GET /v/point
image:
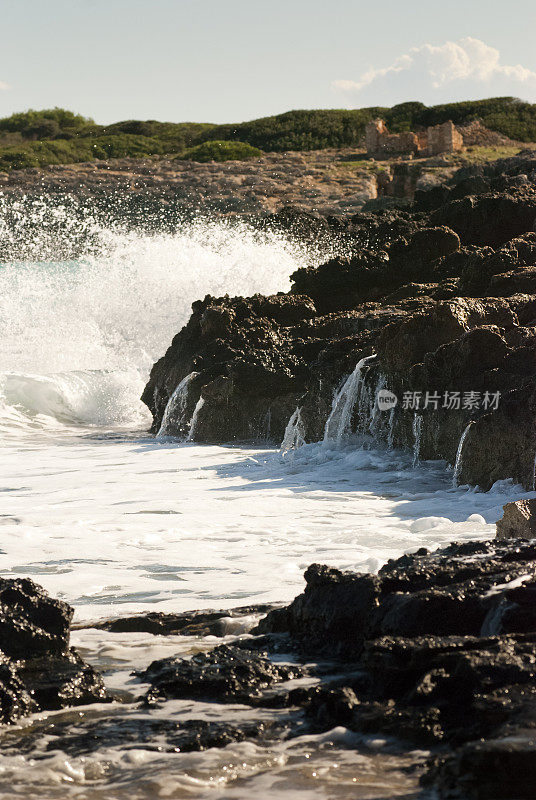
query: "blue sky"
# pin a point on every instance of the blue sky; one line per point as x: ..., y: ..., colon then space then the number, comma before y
x: 230, y: 60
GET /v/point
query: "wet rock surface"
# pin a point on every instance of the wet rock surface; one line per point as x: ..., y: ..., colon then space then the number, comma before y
x: 38, y: 670
x: 188, y: 623
x: 518, y: 521
x: 443, y: 654
x: 90, y: 733
x: 226, y: 674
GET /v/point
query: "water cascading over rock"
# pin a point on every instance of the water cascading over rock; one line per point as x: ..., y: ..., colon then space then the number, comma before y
x: 338, y: 424
x: 173, y: 420
x: 294, y: 433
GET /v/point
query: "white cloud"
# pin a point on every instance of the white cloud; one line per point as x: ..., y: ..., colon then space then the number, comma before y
x: 454, y: 70
x: 4, y: 86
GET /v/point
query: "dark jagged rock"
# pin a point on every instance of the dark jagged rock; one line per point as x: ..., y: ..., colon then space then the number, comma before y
x: 15, y: 700
x: 502, y: 443
x: 490, y: 219
x: 225, y: 674
x: 442, y: 652
x: 31, y: 622
x: 188, y: 623
x: 491, y: 770
x: 462, y: 590
x: 247, y: 360
x: 38, y: 671
x: 518, y: 520
x: 445, y: 299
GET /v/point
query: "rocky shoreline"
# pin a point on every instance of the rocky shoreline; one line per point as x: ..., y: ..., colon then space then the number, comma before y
x: 434, y: 301
x: 442, y: 294
x: 436, y: 652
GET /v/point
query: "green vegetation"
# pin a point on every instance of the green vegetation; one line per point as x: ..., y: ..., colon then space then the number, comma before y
x: 316, y: 130
x: 58, y: 151
x: 50, y: 123
x: 56, y: 136
x: 221, y: 151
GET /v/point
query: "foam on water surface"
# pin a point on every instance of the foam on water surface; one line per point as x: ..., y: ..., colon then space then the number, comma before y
x: 121, y: 525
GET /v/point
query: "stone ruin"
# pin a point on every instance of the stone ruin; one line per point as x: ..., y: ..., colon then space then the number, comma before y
x: 444, y: 138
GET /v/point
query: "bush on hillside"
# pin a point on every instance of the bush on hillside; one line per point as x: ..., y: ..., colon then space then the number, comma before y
x: 27, y: 122
x: 59, y: 151
x: 221, y: 151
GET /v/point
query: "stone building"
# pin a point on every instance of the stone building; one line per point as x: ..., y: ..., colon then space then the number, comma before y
x: 444, y: 138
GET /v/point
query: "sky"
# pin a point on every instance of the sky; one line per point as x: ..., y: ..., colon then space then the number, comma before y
x: 233, y: 60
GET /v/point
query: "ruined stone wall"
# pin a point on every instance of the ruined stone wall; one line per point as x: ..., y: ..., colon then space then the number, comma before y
x: 445, y: 138
x: 375, y: 132
x: 379, y: 141
x: 399, y: 143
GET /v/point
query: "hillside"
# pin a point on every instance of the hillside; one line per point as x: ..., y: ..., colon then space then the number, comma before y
x: 56, y: 136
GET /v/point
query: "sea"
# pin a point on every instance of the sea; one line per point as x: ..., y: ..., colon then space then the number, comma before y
x: 115, y: 521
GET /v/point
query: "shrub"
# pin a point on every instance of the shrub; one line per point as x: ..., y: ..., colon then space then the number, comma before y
x: 221, y: 151
x: 17, y: 158
x: 60, y: 151
x: 26, y: 121
x: 43, y: 128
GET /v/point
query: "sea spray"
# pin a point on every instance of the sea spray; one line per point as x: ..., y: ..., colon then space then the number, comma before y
x: 337, y: 426
x: 175, y: 409
x: 459, y: 455
x: 116, y: 308
x: 417, y: 436
x: 294, y: 435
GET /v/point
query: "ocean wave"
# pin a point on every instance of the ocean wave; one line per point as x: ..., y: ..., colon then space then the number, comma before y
x: 81, y: 398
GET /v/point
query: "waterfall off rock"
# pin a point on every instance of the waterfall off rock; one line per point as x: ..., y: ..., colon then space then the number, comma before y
x: 391, y: 430
x: 338, y: 424
x: 294, y: 436
x: 176, y: 407
x: 417, y: 435
x: 459, y: 453
x: 193, y: 422
x: 373, y: 422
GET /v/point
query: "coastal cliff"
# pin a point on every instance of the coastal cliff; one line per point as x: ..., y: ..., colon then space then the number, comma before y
x: 441, y: 293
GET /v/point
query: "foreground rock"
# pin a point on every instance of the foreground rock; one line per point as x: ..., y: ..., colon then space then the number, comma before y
x: 225, y: 674
x: 519, y: 520
x: 443, y: 648
x: 38, y: 670
x: 437, y: 650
